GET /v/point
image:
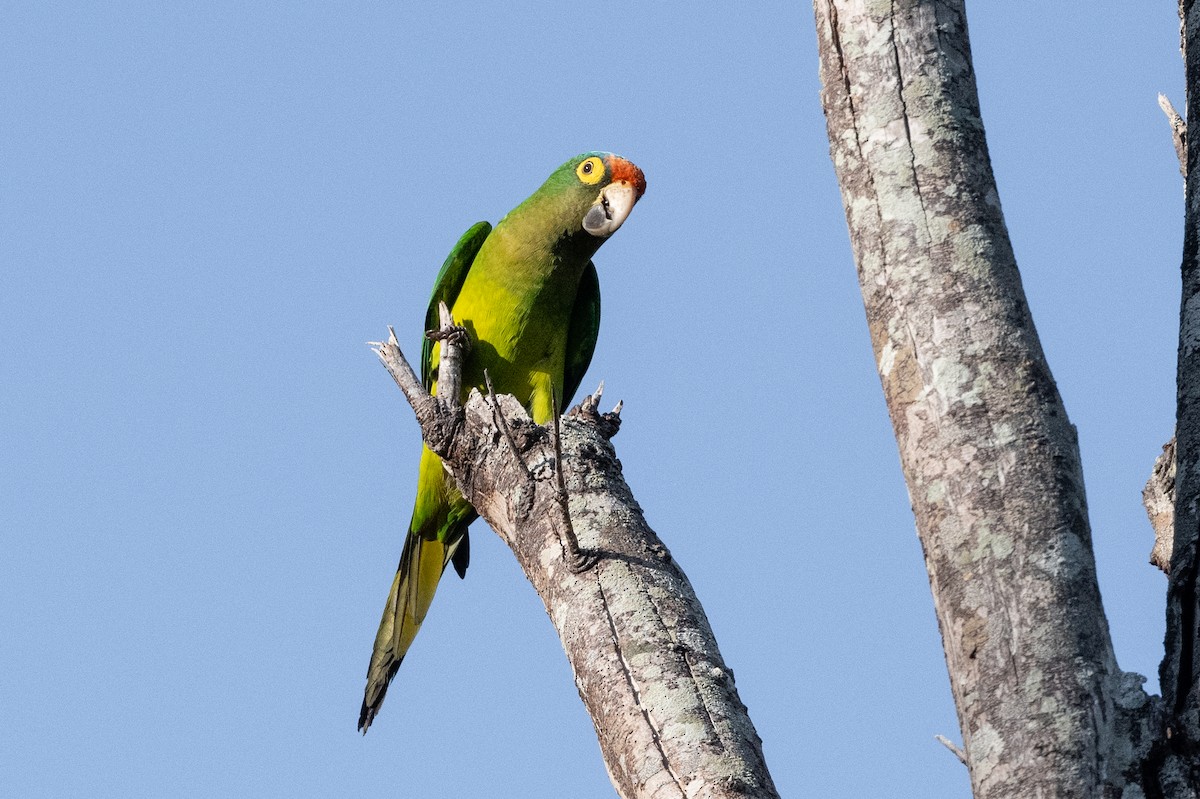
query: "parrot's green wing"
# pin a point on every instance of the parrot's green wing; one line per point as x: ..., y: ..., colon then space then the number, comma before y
x: 446, y: 288
x: 581, y: 337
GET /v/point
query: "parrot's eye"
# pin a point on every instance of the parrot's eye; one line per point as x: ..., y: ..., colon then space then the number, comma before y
x: 591, y: 171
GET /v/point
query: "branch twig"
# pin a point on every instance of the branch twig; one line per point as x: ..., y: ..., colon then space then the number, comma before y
x: 577, y: 560
x: 960, y: 754
x: 502, y: 423
x: 1178, y: 132
x: 393, y: 359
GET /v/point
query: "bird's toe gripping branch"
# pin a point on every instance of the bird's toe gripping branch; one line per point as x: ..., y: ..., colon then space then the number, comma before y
x: 452, y: 334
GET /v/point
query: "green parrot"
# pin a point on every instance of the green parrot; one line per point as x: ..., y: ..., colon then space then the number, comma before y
x: 528, y: 295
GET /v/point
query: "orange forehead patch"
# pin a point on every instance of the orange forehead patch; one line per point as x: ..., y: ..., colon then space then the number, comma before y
x: 628, y: 171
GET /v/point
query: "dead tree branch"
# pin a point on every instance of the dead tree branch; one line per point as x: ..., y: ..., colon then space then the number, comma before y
x: 1179, y: 673
x: 646, y: 664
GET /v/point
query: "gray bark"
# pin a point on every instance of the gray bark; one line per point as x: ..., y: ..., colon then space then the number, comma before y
x: 989, y: 456
x: 664, y: 704
x: 1179, y: 673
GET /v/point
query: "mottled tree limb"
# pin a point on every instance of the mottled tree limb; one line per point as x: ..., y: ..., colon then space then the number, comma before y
x: 990, y: 458
x: 1158, y: 496
x: 1179, y: 673
x: 646, y: 664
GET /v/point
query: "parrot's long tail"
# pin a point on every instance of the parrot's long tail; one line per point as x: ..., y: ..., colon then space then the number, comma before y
x: 421, y: 565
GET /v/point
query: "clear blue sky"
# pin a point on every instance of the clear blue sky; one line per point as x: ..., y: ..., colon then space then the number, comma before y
x: 204, y: 473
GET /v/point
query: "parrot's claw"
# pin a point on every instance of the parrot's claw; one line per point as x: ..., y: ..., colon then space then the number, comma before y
x: 454, y: 335
x: 580, y: 561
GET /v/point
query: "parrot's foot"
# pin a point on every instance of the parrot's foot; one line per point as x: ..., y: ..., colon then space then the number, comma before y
x: 579, y: 561
x: 453, y: 334
x: 588, y: 409
x: 577, y: 558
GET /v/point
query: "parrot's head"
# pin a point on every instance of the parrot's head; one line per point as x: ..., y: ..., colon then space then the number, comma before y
x: 601, y: 189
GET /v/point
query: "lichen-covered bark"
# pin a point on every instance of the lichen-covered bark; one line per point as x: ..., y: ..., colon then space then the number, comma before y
x: 1180, y: 670
x: 989, y: 455
x: 646, y: 664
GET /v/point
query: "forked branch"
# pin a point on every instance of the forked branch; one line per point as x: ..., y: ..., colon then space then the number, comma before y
x: 646, y: 664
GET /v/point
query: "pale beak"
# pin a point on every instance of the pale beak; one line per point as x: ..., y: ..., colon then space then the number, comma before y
x: 611, y: 208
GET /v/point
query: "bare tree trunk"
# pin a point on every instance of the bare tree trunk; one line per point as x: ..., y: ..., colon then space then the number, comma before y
x: 646, y: 664
x: 1180, y: 669
x: 990, y: 458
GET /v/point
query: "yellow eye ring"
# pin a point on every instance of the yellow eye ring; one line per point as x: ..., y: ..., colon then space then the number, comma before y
x: 590, y: 171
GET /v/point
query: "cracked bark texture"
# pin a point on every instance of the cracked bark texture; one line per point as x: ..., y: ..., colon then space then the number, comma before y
x: 1180, y: 669
x: 990, y: 458
x: 646, y: 664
